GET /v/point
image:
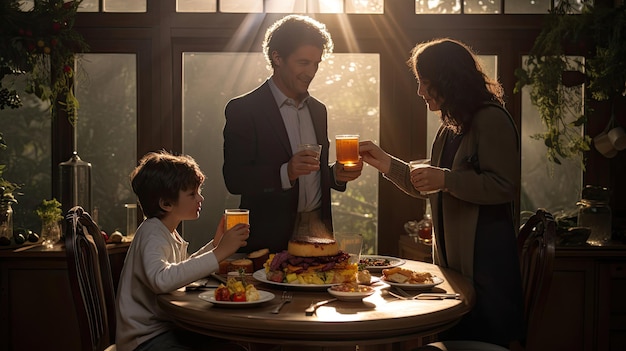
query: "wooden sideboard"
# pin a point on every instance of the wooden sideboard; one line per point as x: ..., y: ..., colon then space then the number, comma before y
x: 586, y: 308
x: 36, y: 300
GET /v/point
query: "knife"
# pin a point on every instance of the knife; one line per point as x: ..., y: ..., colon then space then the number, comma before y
x: 436, y: 296
x: 311, y: 309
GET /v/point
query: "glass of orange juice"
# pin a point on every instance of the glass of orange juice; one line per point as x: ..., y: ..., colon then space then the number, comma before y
x: 235, y: 216
x: 347, y: 147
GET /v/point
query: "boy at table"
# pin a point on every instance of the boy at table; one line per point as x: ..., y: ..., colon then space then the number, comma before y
x: 168, y: 187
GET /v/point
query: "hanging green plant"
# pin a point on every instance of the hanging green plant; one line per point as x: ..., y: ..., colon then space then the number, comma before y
x: 41, y: 43
x: 598, y: 35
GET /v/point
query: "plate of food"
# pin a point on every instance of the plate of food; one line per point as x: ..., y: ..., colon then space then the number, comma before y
x: 410, y: 280
x: 209, y: 296
x: 415, y: 286
x: 375, y: 262
x: 261, y: 276
x: 351, y: 291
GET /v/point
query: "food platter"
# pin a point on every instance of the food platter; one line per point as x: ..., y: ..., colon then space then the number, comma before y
x: 436, y: 281
x: 209, y: 296
x: 260, y: 276
x: 352, y: 295
x: 378, y: 263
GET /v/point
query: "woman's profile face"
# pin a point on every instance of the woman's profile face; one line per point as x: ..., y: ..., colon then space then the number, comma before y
x: 433, y: 102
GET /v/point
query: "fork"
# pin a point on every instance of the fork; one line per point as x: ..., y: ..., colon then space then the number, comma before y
x: 286, y: 298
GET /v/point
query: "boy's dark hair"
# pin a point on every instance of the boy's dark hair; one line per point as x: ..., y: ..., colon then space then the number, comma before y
x: 293, y: 31
x: 162, y: 175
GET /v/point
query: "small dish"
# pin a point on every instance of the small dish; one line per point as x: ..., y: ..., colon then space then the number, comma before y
x: 209, y: 296
x: 362, y: 292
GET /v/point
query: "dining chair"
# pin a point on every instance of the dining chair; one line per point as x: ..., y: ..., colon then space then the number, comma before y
x: 535, y: 246
x: 90, y: 280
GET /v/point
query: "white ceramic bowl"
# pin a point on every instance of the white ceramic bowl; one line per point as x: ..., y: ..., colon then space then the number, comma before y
x: 364, y: 291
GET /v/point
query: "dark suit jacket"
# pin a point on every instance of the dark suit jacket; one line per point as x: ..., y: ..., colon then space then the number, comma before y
x: 256, y: 144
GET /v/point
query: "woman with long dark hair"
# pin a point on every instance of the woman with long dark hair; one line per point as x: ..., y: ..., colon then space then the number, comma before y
x: 472, y: 181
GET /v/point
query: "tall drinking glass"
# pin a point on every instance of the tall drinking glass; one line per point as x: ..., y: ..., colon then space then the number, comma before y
x: 347, y: 147
x: 235, y: 216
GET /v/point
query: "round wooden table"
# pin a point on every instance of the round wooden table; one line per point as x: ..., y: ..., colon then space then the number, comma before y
x: 378, y: 319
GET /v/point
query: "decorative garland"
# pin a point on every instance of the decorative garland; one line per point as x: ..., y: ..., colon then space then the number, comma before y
x: 41, y: 43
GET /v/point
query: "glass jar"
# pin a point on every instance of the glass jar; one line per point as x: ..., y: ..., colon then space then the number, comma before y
x: 6, y: 223
x: 425, y: 229
x: 425, y: 226
x: 50, y: 233
x: 594, y: 213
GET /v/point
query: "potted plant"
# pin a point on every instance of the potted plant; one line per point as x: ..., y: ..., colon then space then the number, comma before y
x: 572, y: 49
x: 50, y: 213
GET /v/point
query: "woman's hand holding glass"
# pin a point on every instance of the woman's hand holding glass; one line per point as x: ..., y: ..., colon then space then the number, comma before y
x: 427, y: 179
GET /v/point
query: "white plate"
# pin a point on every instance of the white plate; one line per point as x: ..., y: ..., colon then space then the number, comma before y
x: 393, y: 262
x: 260, y: 276
x: 209, y: 296
x: 436, y: 281
x: 351, y: 296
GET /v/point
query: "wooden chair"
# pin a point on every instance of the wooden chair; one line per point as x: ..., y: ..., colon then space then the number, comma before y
x: 90, y: 280
x: 535, y: 245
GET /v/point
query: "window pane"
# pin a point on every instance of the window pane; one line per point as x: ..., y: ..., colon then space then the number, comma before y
x: 325, y: 6
x: 27, y: 157
x: 365, y: 6
x: 347, y: 83
x: 437, y: 6
x: 577, y: 5
x: 27, y: 5
x: 89, y: 6
x: 107, y: 132
x: 476, y: 7
x: 527, y: 6
x: 124, y: 5
x: 285, y: 6
x: 196, y: 6
x: 241, y: 6
x: 554, y: 187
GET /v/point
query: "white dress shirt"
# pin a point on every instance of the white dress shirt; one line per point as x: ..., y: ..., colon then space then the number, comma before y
x: 297, y: 120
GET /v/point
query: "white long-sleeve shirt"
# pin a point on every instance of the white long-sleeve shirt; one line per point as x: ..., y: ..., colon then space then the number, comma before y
x: 156, y: 263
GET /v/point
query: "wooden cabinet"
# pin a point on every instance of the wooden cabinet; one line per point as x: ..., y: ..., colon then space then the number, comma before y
x: 586, y: 308
x: 36, y: 300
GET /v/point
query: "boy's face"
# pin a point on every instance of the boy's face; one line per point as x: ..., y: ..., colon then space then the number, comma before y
x: 188, y: 205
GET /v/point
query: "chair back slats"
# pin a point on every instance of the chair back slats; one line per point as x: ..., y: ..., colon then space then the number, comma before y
x: 536, y: 243
x: 90, y: 280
